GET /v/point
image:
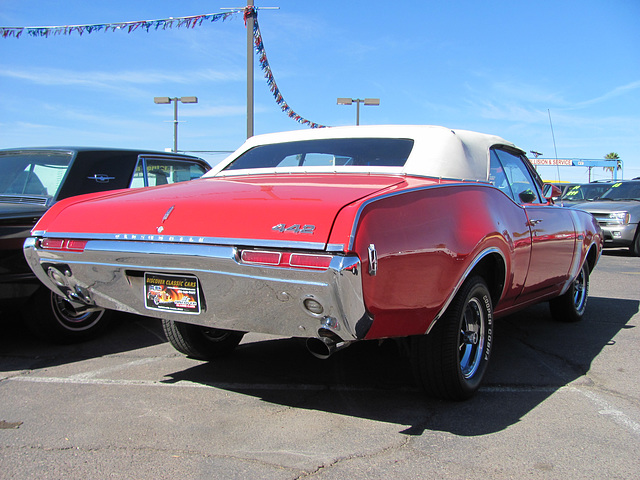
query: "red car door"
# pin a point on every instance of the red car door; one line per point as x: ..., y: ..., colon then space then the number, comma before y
x: 552, y: 229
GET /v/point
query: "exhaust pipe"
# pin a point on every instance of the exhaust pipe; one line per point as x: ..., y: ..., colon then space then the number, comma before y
x: 326, y: 345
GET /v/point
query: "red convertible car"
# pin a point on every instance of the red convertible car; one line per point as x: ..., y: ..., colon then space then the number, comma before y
x: 418, y: 233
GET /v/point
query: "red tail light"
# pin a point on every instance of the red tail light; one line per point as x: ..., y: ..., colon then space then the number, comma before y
x: 62, y: 244
x: 260, y: 257
x: 300, y: 260
x: 286, y: 259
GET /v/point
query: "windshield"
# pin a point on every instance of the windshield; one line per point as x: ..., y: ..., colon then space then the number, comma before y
x: 623, y: 191
x: 589, y: 191
x: 38, y: 174
x: 334, y: 152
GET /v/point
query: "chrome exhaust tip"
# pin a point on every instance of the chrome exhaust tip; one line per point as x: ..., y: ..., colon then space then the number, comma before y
x: 326, y: 345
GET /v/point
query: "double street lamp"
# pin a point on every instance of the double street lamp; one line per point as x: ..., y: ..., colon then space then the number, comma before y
x: 358, y: 101
x: 175, y: 100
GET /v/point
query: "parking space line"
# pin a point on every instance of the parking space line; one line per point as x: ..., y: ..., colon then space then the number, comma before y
x: 605, y: 408
x: 115, y: 368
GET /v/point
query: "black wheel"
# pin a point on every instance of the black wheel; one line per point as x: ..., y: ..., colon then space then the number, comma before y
x: 53, y: 318
x: 451, y: 360
x: 634, y: 248
x: 203, y: 343
x: 570, y: 306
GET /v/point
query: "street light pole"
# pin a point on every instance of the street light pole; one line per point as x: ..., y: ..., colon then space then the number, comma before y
x: 358, y: 101
x: 175, y: 100
x: 250, y: 24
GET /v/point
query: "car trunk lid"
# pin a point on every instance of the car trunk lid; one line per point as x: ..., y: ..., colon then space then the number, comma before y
x: 269, y: 210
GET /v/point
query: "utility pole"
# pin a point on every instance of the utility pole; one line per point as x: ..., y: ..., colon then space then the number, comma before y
x: 250, y: 24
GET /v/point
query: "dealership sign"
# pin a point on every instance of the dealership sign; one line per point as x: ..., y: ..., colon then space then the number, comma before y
x: 566, y: 162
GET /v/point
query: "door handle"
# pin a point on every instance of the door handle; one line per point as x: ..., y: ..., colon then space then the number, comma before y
x: 533, y: 223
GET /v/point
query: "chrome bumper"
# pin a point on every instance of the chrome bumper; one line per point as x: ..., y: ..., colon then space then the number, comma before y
x: 110, y: 274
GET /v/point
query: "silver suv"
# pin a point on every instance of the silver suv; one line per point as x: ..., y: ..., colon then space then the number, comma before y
x: 618, y: 213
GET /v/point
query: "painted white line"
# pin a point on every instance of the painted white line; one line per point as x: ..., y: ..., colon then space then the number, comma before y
x: 607, y: 409
x: 76, y: 380
x: 115, y: 368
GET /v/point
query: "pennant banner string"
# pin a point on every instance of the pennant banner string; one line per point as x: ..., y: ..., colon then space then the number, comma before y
x: 168, y: 23
x: 268, y: 74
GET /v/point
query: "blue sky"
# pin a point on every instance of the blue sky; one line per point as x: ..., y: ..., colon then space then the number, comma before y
x: 500, y: 67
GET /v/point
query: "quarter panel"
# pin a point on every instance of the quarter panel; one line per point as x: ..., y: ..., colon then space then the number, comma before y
x: 425, y: 241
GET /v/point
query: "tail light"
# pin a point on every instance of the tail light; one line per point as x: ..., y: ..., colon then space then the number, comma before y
x: 308, y: 261
x: 62, y: 244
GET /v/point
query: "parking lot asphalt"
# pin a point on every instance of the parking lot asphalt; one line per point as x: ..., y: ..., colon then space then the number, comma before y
x: 558, y: 401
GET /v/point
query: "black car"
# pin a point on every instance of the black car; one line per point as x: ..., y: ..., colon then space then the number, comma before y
x: 586, y: 192
x: 32, y: 180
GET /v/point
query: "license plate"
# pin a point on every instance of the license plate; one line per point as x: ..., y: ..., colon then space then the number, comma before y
x: 173, y: 293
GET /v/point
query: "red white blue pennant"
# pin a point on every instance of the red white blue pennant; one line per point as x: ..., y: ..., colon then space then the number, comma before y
x: 168, y: 23
x: 164, y: 24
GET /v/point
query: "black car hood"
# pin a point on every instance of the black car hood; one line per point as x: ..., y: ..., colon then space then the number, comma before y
x: 20, y: 210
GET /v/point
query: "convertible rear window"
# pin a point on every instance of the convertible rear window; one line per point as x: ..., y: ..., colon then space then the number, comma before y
x: 359, y: 152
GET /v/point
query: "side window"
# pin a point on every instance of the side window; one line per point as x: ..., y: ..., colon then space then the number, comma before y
x: 497, y: 176
x: 151, y: 172
x: 523, y: 187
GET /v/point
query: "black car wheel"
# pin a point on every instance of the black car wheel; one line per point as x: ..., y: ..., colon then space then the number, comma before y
x: 634, y: 248
x: 450, y: 361
x: 203, y: 343
x: 570, y: 306
x: 53, y: 318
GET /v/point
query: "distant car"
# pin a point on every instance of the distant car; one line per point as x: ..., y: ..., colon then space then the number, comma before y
x: 618, y: 213
x: 32, y: 180
x: 585, y: 192
x: 422, y: 234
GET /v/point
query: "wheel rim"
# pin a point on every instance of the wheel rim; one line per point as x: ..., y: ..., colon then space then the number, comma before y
x: 472, y: 338
x: 214, y: 334
x: 69, y: 317
x: 580, y: 291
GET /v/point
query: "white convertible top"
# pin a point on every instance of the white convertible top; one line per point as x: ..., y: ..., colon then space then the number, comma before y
x: 437, y: 152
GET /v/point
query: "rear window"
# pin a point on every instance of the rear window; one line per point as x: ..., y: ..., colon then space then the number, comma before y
x: 334, y: 152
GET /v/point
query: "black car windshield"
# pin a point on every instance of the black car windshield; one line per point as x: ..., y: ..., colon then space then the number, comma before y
x: 357, y: 152
x: 589, y: 191
x: 623, y: 191
x: 32, y: 173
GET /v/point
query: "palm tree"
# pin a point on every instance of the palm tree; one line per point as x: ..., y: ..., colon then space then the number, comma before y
x: 613, y: 156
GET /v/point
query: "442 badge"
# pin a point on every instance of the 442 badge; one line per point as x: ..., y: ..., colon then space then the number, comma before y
x: 173, y: 293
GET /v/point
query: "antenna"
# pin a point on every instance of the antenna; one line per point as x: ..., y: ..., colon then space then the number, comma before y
x: 554, y: 143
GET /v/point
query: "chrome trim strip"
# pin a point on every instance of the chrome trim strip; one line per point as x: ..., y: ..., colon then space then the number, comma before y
x: 465, y: 275
x: 366, y: 203
x: 576, y: 264
x: 187, y: 239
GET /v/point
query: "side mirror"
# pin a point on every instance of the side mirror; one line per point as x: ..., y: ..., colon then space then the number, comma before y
x: 553, y: 192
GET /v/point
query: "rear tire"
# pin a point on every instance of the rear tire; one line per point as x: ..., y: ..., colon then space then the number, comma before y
x: 54, y: 319
x: 570, y: 306
x: 202, y: 343
x: 450, y: 361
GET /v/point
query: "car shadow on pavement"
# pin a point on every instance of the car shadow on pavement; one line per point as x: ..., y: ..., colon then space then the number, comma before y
x: 533, y: 357
x: 20, y: 349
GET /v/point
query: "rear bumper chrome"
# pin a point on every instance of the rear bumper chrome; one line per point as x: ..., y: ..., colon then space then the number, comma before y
x: 234, y: 296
